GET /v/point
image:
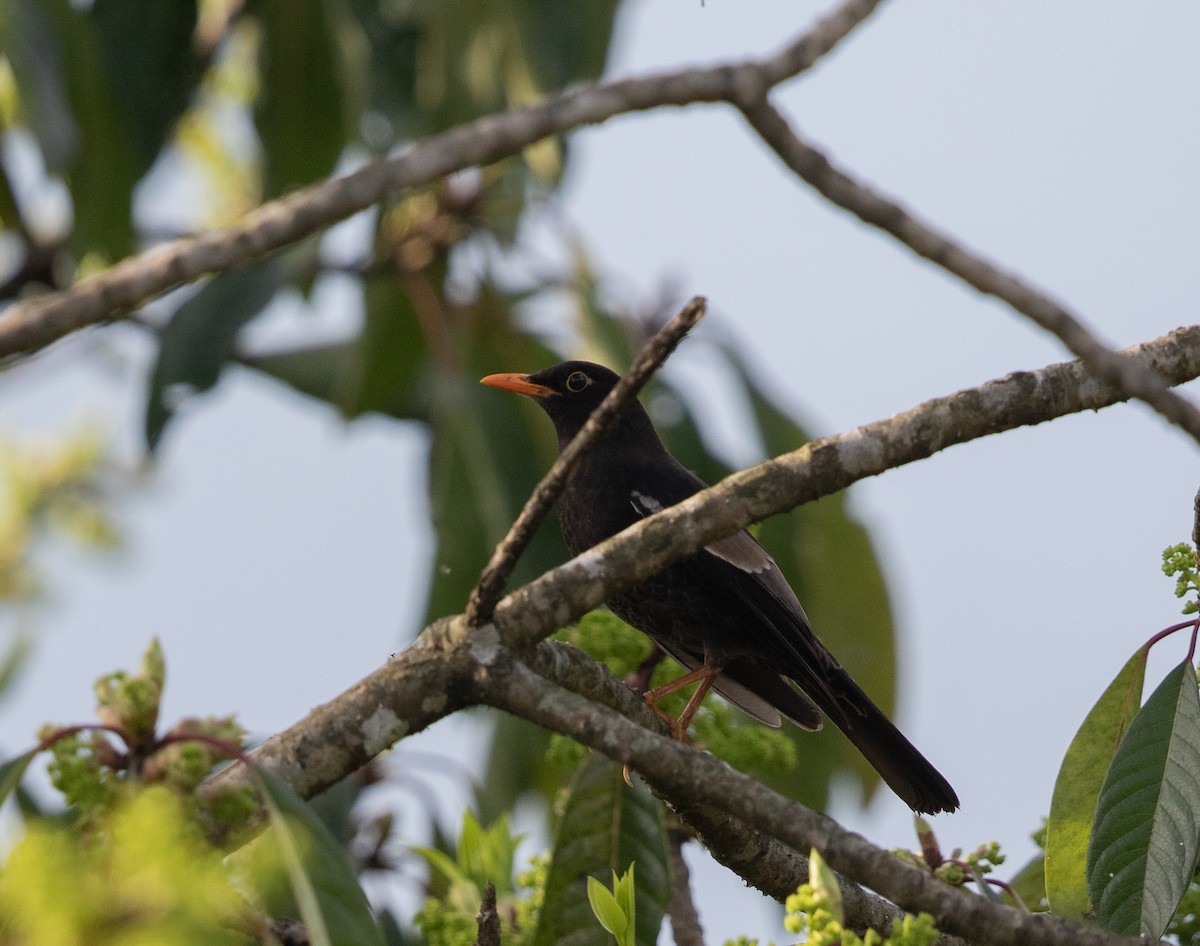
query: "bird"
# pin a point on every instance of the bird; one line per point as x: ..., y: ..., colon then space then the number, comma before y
x: 725, y: 613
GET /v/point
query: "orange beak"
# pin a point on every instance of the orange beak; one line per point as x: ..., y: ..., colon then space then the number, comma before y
x: 519, y: 383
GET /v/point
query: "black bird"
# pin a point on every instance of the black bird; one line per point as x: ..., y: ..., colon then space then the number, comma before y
x: 725, y: 613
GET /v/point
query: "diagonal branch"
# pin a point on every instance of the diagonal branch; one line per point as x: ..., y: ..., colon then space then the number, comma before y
x: 491, y: 583
x: 880, y: 211
x: 451, y: 666
x: 425, y: 682
x: 818, y: 468
x: 32, y: 325
x: 680, y: 772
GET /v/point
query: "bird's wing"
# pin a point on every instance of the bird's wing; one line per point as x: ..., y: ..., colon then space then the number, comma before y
x: 759, y: 692
x: 741, y: 569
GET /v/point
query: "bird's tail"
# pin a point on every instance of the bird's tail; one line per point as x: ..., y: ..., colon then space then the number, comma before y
x: 909, y: 774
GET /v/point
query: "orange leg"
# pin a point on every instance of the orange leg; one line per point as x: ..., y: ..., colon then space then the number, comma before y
x: 705, y: 675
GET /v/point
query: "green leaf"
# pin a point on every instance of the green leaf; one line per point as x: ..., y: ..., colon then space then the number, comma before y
x: 199, y: 338
x: 331, y: 902
x: 489, y: 450
x: 11, y: 773
x: 13, y: 660
x: 313, y: 92
x: 824, y: 882
x: 393, y: 354
x: 27, y: 38
x: 150, y: 64
x: 1143, y: 848
x: 831, y: 562
x: 103, y: 166
x: 606, y: 826
x: 604, y: 905
x: 1077, y: 789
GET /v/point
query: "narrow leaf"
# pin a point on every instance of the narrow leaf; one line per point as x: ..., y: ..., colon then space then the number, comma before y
x: 331, y: 902
x: 606, y: 908
x: 313, y: 88
x: 1143, y: 849
x: 606, y: 827
x: 11, y: 773
x: 199, y: 338
x: 823, y: 880
x: 825, y: 552
x: 1077, y: 789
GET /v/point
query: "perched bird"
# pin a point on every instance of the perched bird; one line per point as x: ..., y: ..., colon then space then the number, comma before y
x: 725, y: 613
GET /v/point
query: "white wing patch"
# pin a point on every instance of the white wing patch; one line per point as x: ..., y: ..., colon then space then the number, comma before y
x: 645, y: 505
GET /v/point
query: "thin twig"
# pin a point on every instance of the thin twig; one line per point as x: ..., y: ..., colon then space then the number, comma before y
x: 880, y: 211
x: 491, y: 582
x: 685, y: 921
x: 33, y: 324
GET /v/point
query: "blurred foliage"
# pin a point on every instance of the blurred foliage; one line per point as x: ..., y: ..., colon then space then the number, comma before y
x: 137, y: 856
x: 48, y: 489
x: 457, y: 882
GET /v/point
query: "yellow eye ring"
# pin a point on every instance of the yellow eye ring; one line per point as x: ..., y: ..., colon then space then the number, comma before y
x: 577, y: 381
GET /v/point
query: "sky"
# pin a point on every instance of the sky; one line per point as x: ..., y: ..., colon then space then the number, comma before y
x: 278, y: 551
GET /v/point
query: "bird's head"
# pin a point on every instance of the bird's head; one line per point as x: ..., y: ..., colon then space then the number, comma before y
x: 568, y: 392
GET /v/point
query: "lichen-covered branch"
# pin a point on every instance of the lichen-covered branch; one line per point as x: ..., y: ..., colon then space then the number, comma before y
x: 818, y: 469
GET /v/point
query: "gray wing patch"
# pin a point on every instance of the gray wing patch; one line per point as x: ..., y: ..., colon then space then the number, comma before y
x: 740, y: 696
x: 740, y: 549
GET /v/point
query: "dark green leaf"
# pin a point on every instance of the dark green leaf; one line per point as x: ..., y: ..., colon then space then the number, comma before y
x: 830, y: 560
x: 1144, y: 844
x: 323, y: 372
x: 331, y: 902
x: 12, y: 771
x: 1077, y: 789
x: 514, y: 767
x: 606, y: 826
x: 565, y: 41
x: 149, y: 60
x: 314, y: 61
x: 394, y: 356
x: 489, y: 450
x: 104, y: 166
x: 199, y: 338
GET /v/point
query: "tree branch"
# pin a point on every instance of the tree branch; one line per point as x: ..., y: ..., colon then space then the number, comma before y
x: 451, y: 665
x: 491, y: 583
x: 425, y: 682
x: 884, y: 213
x: 682, y: 773
x: 818, y: 468
x: 33, y: 324
x: 685, y: 921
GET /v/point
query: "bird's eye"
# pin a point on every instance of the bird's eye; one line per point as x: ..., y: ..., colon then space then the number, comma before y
x: 577, y: 381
